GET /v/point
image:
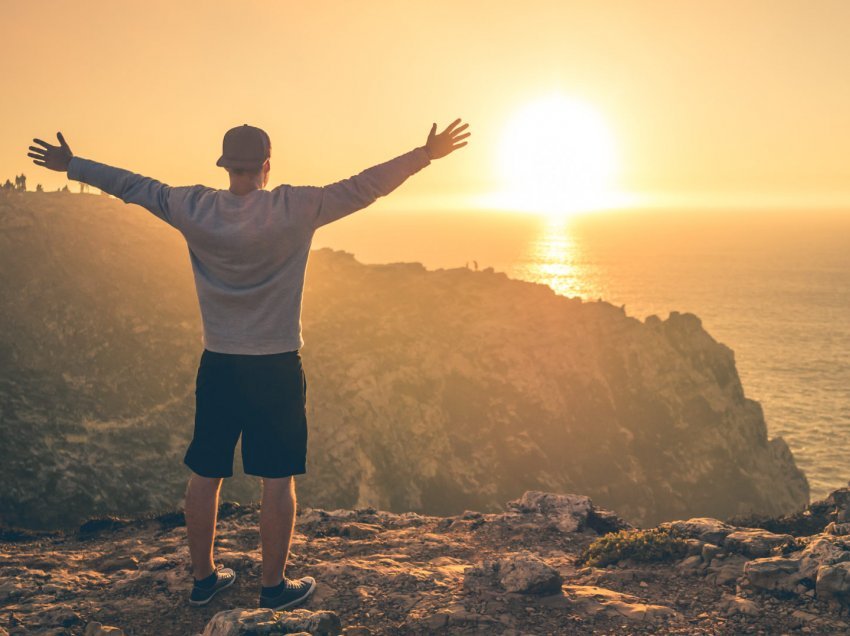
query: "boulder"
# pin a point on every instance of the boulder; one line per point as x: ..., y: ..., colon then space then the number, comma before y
x: 710, y: 551
x: 693, y: 547
x: 822, y: 550
x: 690, y: 564
x: 529, y: 575
x: 703, y: 528
x: 256, y: 622
x: 773, y: 573
x: 837, y: 529
x: 833, y: 581
x: 726, y: 571
x: 603, y: 521
x: 567, y: 513
x: 840, y: 500
x: 522, y: 574
x: 757, y: 543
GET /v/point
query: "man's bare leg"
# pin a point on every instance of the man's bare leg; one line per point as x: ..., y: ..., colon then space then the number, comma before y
x: 201, y: 512
x: 277, y: 521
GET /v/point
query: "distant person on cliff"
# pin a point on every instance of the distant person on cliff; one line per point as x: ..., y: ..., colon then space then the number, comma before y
x: 248, y: 247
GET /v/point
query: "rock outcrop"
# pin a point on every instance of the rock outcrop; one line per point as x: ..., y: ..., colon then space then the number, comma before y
x: 428, y: 391
x: 258, y: 622
x: 504, y: 573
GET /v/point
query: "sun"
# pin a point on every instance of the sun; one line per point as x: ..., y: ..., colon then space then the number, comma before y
x: 557, y: 157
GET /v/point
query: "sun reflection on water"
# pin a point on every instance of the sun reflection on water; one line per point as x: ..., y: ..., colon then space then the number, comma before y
x: 555, y: 259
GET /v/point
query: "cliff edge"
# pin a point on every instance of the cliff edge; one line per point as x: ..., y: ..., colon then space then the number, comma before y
x: 433, y: 391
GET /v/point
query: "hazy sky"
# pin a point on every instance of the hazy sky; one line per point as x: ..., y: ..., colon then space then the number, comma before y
x: 728, y: 99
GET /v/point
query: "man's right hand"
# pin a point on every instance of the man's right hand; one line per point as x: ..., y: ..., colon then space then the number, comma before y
x: 447, y: 141
x: 52, y: 157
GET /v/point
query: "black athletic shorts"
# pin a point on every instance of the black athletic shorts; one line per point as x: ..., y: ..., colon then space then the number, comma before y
x: 261, y: 397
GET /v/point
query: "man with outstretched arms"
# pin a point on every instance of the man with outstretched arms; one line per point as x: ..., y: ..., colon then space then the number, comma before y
x: 248, y: 247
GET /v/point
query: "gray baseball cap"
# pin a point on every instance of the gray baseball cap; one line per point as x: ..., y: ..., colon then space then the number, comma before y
x: 244, y: 147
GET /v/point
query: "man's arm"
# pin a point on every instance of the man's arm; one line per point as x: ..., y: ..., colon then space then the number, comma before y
x: 339, y: 199
x: 126, y: 185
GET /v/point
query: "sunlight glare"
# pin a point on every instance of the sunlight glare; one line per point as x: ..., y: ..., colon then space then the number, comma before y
x: 557, y: 157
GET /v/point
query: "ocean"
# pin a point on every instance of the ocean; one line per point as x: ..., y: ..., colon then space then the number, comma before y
x: 774, y: 285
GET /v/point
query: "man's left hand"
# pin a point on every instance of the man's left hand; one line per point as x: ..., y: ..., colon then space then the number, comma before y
x: 446, y: 142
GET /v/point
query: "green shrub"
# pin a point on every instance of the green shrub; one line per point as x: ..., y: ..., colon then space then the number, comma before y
x: 655, y: 544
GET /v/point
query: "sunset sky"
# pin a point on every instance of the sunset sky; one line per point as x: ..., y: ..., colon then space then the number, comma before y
x: 705, y: 102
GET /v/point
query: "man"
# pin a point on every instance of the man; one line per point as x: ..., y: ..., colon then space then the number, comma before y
x: 248, y: 248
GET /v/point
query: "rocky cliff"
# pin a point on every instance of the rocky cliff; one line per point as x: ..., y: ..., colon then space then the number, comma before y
x: 545, y: 564
x: 428, y: 391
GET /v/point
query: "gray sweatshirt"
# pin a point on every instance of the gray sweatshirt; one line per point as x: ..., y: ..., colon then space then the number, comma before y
x: 249, y: 252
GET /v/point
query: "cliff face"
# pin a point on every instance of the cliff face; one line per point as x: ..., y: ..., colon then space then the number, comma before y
x: 431, y: 391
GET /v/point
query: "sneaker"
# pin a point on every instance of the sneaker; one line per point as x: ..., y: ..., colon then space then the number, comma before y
x: 225, y: 577
x: 294, y: 591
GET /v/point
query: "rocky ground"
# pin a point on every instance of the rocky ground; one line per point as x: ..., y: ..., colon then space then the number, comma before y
x: 515, y: 572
